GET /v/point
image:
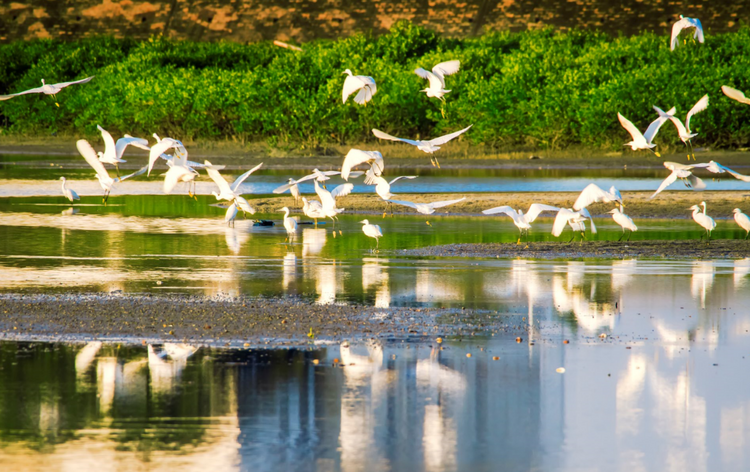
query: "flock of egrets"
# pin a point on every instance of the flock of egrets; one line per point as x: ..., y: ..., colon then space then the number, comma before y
x: 180, y: 169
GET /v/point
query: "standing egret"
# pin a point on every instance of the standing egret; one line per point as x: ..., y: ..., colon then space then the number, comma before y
x: 105, y: 181
x: 644, y: 141
x: 624, y: 221
x: 427, y: 146
x: 437, y: 77
x: 113, y: 151
x: 365, y: 84
x: 372, y: 231
x: 683, y: 23
x: 521, y: 220
x: 735, y: 94
x: 356, y: 157
x: 48, y: 89
x: 576, y: 220
x: 290, y: 224
x: 594, y: 194
x: 69, y: 193
x: 383, y: 189
x: 684, y: 130
x: 703, y: 219
x: 313, y: 209
x: 231, y: 214
x: 743, y: 220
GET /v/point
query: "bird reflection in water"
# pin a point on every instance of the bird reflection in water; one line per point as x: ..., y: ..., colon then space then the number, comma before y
x: 702, y: 280
x: 374, y: 275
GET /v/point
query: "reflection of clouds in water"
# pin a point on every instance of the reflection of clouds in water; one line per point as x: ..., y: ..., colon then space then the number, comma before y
x: 313, y: 240
x: 703, y: 278
x: 741, y: 269
x: 375, y: 275
x: 289, y: 270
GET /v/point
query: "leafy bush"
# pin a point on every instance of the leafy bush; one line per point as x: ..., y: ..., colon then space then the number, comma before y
x: 531, y: 89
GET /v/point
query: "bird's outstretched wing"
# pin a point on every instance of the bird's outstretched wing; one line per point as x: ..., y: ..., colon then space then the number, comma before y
x: 217, y: 178
x: 561, y: 220
x: 342, y: 190
x: 140, y: 171
x: 128, y: 140
x: 655, y: 125
x: 109, y: 142
x: 536, y: 208
x: 402, y: 177
x: 356, y: 157
x: 700, y: 105
x: 11, y: 95
x: 89, y: 154
x: 425, y: 74
x: 676, y: 28
x: 585, y: 213
x: 735, y: 94
x: 238, y: 181
x: 448, y: 137
x: 446, y: 203
x: 593, y: 194
x: 501, y: 209
x: 435, y: 81
x: 365, y: 94
x: 382, y: 135
x: 696, y: 183
x: 698, y: 30
x: 630, y: 128
x: 82, y: 81
x: 665, y: 183
x: 173, y: 177
x: 446, y: 68
x: 351, y: 85
x: 404, y: 203
x: 158, y: 149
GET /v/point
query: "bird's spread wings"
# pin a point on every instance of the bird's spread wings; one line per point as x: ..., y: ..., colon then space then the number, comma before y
x: 701, y: 105
x: 630, y: 128
x: 593, y: 194
x: 425, y: 74
x: 404, y: 203
x: 402, y: 177
x: 561, y: 220
x: 244, y: 205
x: 446, y: 68
x: 735, y: 94
x: 536, y: 208
x: 366, y: 93
x: 82, y: 81
x: 238, y: 181
x: 653, y: 128
x: 436, y: 83
x: 158, y: 149
x: 351, y: 85
x: 448, y: 137
x: 173, y: 177
x: 717, y: 168
x: 382, y: 135
x: 128, y: 140
x: 11, y: 95
x: 109, y: 142
x: 342, y: 190
x: 501, y: 209
x: 89, y: 154
x: 356, y: 157
x: 584, y: 212
x: 446, y: 203
x: 676, y: 28
x: 696, y: 183
x: 140, y: 171
x: 218, y: 178
x: 665, y: 183
x: 698, y: 30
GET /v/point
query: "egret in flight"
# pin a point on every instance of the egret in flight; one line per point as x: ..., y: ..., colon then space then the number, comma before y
x: 683, y: 172
x: 743, y: 220
x: 313, y: 209
x: 427, y: 208
x: 290, y: 224
x: 356, y: 157
x: 365, y: 84
x: 682, y: 23
x: 624, y: 221
x: 69, y: 193
x: 684, y: 130
x: 317, y: 175
x: 113, y: 151
x: 372, y: 231
x: 427, y: 146
x: 105, y: 181
x: 644, y: 141
x: 48, y: 89
x: 383, y: 189
x: 575, y: 219
x: 521, y: 220
x: 704, y: 220
x: 328, y: 200
x: 735, y: 94
x: 594, y: 194
x: 437, y: 77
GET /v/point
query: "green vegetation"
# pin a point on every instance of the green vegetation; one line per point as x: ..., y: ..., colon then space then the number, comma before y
x: 536, y: 89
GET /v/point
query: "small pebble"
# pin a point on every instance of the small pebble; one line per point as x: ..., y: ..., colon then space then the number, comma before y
x: 560, y: 370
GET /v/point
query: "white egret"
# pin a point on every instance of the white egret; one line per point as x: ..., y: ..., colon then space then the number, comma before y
x: 716, y: 168
x: 356, y: 157
x: 226, y: 191
x: 383, y: 189
x: 372, y: 231
x: 312, y: 209
x: 69, y: 193
x: 113, y: 151
x: 105, y: 181
x: 231, y: 214
x: 624, y: 221
x: 680, y: 171
x: 328, y: 199
x: 48, y: 89
x: 427, y: 208
x: 576, y: 220
x: 521, y: 220
x: 682, y: 23
x: 365, y: 84
x: 290, y: 224
x: 437, y: 77
x: 158, y: 149
x: 743, y: 220
x: 703, y: 219
x: 594, y: 194
x: 735, y: 94
x: 429, y: 146
x: 294, y: 190
x: 644, y: 141
x: 318, y: 175
x: 684, y: 130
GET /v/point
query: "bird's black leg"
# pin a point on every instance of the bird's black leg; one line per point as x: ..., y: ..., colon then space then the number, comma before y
x: 629, y: 235
x: 622, y: 236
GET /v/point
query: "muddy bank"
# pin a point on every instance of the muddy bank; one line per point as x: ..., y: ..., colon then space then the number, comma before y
x: 237, y: 321
x: 666, y: 205
x: 681, y: 249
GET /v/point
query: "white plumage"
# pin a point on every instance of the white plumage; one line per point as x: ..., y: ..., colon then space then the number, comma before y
x: 429, y: 146
x: 594, y: 194
x: 427, y: 208
x: 743, y: 220
x: 69, y: 193
x: 682, y: 23
x: 576, y: 220
x: 105, y: 181
x: 231, y: 214
x: 365, y: 84
x: 624, y: 221
x: 703, y: 219
x: 290, y: 224
x: 356, y: 157
x: 312, y: 209
x: 643, y: 141
x: 48, y: 89
x: 684, y: 129
x: 372, y: 231
x: 437, y: 77
x: 735, y: 94
x: 113, y: 151
x: 521, y: 220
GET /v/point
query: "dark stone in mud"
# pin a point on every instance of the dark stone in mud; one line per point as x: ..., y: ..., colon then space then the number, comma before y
x: 682, y: 249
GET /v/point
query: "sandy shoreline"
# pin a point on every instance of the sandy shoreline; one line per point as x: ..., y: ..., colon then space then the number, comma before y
x: 242, y: 321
